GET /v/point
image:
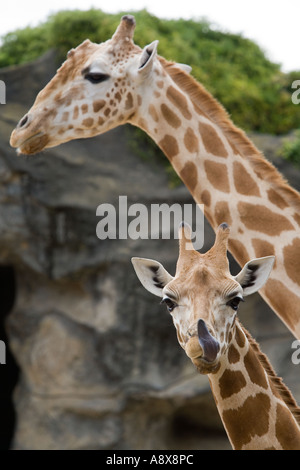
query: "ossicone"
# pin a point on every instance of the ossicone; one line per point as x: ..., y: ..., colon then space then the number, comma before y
x: 125, y: 30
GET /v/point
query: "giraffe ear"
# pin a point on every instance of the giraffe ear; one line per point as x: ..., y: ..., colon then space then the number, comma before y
x: 152, y: 275
x: 186, y: 68
x: 255, y: 274
x: 147, y: 56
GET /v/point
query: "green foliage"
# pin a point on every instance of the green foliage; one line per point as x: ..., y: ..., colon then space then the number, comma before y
x: 68, y: 29
x: 291, y: 149
x: 255, y: 92
x: 23, y: 45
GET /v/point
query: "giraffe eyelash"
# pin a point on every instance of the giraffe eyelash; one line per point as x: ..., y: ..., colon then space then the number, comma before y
x: 234, y: 302
x: 96, y: 77
x: 169, y: 303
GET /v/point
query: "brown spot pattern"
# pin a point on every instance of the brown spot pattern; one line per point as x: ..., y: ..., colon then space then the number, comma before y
x: 189, y: 175
x: 244, y: 183
x: 262, y: 248
x: 169, y: 116
x: 206, y: 197
x: 88, y: 122
x: 291, y: 255
x: 240, y: 337
x: 97, y: 105
x: 255, y: 370
x: 276, y: 199
x: 231, y: 382
x: 118, y: 97
x: 239, y: 251
x: 297, y: 218
x: 217, y: 175
x: 212, y: 141
x: 260, y: 218
x: 222, y: 213
x: 191, y: 141
x: 233, y: 354
x: 169, y: 146
x: 153, y: 113
x: 287, y: 431
x: 75, y: 112
x: 179, y: 100
x: 84, y: 108
x: 129, y: 101
x: 283, y: 300
x: 246, y: 418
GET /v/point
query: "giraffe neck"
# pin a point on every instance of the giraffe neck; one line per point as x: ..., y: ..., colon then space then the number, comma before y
x: 257, y: 409
x: 224, y: 171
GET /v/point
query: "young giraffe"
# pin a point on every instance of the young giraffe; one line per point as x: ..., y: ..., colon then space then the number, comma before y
x: 257, y: 409
x: 101, y: 86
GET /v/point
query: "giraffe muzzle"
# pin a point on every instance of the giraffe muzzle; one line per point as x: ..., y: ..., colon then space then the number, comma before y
x: 33, y: 144
x: 210, y: 346
x: 28, y: 139
x: 202, y: 346
x: 29, y: 136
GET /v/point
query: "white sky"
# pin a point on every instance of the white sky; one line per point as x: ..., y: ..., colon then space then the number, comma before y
x: 273, y: 24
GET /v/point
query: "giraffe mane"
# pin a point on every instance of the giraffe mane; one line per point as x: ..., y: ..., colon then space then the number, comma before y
x: 281, y: 388
x: 201, y: 98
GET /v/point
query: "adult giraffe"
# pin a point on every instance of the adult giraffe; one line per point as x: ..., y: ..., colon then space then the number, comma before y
x: 101, y: 86
x: 258, y: 411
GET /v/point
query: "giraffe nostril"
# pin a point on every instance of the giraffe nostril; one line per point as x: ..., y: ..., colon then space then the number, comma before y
x: 23, y: 121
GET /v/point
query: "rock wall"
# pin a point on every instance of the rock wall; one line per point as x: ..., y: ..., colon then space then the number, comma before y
x: 100, y: 365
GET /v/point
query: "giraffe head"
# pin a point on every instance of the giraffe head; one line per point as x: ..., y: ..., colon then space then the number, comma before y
x: 93, y: 91
x: 203, y: 297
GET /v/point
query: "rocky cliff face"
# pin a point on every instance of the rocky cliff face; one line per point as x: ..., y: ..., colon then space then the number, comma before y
x: 100, y: 365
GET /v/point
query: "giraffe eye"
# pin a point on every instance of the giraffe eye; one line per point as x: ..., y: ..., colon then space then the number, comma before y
x: 96, y: 77
x: 169, y: 303
x: 234, y: 303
